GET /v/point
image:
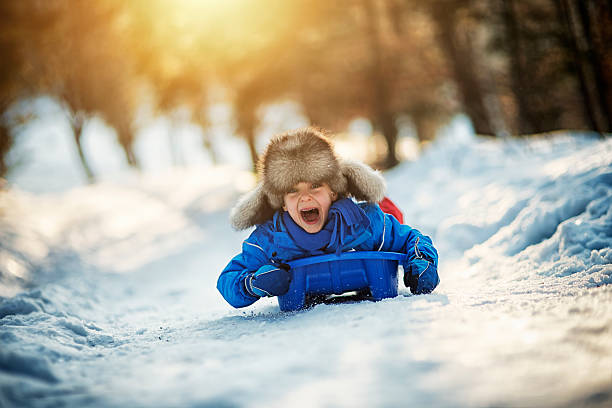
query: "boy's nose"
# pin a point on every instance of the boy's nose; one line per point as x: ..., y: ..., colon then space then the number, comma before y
x: 305, y: 197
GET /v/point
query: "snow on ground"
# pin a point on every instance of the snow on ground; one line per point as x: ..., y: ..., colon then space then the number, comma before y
x: 108, y: 292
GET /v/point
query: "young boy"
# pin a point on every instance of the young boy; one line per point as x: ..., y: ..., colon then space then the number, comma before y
x: 302, y: 208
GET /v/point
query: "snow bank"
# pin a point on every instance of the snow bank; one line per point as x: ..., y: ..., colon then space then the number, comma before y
x: 519, y: 209
x: 109, y: 299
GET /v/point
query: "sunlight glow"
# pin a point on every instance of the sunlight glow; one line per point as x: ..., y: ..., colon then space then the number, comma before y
x: 209, y: 32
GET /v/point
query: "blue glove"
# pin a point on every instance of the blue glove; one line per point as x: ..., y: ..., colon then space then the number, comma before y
x: 421, y: 276
x: 269, y: 280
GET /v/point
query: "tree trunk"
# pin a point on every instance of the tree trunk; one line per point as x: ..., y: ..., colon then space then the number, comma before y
x: 6, y: 141
x: 461, y: 61
x: 208, y: 146
x: 128, y: 150
x: 246, y: 126
x: 564, y: 11
x: 174, y: 140
x: 202, y: 120
x: 130, y: 156
x: 595, y: 59
x: 126, y: 141
x: 384, y: 116
x: 424, y: 125
x: 250, y: 137
x: 526, y: 121
x: 77, y: 131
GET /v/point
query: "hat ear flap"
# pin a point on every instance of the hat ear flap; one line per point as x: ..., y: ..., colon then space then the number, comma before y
x: 363, y: 182
x: 253, y: 208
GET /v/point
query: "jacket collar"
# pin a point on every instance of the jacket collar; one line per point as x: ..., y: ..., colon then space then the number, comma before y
x: 287, y: 249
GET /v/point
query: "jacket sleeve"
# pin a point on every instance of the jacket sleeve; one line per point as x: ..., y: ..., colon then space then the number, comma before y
x: 230, y: 282
x: 390, y: 235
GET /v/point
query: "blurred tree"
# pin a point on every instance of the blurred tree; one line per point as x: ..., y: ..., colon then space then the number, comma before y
x: 527, y: 121
x: 596, y: 21
x: 268, y: 64
x: 375, y: 59
x: 90, y: 71
x: 268, y: 79
x: 420, y: 78
x: 331, y: 64
x: 587, y: 59
x: 383, y: 115
x: 187, y: 90
x: 6, y: 142
x: 72, y: 51
x: 246, y: 101
x: 560, y: 92
x: 597, y: 17
x: 536, y: 66
x: 11, y: 72
x: 455, y: 23
x: 120, y: 115
x: 176, y: 60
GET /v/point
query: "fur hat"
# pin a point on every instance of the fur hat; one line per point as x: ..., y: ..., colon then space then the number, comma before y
x: 303, y: 155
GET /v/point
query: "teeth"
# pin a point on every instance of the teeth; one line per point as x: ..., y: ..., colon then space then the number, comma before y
x: 310, y: 215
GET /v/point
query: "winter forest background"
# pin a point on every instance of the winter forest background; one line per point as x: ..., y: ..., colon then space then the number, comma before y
x: 128, y: 129
x: 402, y: 67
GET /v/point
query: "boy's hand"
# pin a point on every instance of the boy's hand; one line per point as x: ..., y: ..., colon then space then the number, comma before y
x: 421, y: 276
x: 269, y: 280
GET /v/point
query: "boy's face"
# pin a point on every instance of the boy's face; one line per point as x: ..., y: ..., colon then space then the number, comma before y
x: 308, y: 205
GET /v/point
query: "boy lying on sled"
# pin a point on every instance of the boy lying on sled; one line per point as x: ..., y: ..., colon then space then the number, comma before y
x: 302, y: 207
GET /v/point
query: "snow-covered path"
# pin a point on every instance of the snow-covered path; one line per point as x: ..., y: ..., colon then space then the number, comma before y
x: 110, y: 300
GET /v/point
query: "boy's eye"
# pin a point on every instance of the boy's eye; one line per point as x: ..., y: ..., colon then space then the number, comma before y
x: 315, y: 185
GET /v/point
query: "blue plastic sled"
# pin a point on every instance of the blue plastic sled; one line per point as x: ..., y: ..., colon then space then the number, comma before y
x: 337, y: 274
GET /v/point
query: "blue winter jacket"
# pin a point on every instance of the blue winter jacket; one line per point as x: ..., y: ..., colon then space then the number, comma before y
x: 270, y: 243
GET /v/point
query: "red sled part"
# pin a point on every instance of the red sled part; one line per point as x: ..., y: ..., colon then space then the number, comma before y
x: 389, y: 207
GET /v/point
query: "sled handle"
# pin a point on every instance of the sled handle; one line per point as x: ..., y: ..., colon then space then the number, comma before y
x: 396, y: 256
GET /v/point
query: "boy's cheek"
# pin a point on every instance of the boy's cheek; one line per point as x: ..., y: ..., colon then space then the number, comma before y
x: 286, y: 204
x: 324, y: 215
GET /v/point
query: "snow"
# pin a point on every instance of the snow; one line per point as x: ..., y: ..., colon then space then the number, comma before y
x: 109, y: 299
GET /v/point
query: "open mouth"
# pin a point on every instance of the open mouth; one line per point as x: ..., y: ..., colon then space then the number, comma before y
x: 310, y: 215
